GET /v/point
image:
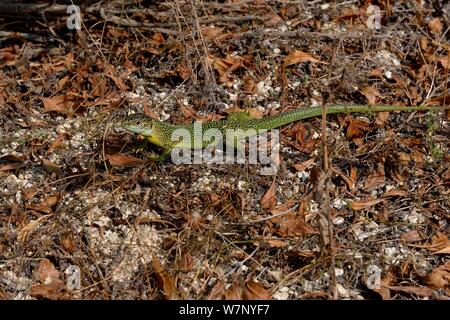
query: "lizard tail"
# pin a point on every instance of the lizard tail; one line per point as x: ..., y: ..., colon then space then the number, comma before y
x: 311, y: 112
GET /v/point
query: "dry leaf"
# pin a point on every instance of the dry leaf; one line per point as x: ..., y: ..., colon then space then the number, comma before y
x: 22, y: 234
x: 50, y: 167
x: 412, y: 236
x: 51, y: 286
x: 304, y: 165
x: 385, y: 282
x: 444, y: 61
x: 439, y: 277
x: 272, y: 19
x: 364, y: 204
x: 165, y: 281
x: 371, y: 94
x: 356, y: 128
x: 445, y: 250
x: 11, y: 162
x: 122, y: 160
x: 255, y: 291
x: 62, y: 104
x: 268, y: 200
x: 296, y: 57
x: 435, y: 26
x: 217, y: 292
x: 234, y: 292
x: 292, y: 225
x: 421, y: 292
x: 376, y: 178
x: 288, y: 205
x: 439, y: 241
x: 188, y: 112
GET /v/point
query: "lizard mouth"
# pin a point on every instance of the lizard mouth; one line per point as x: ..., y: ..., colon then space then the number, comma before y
x: 146, y: 132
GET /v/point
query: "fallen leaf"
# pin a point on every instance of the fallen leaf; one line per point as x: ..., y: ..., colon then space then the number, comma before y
x: 51, y: 286
x: 376, y: 178
x: 11, y: 162
x: 304, y: 165
x: 217, y: 292
x: 23, y: 234
x: 188, y: 112
x: 356, y: 128
x: 268, y: 200
x: 364, y: 204
x: 234, y: 292
x: 435, y: 26
x: 385, y: 282
x: 122, y: 160
x: 272, y: 19
x: 292, y: 225
x: 50, y: 167
x: 371, y: 94
x: 444, y: 61
x: 255, y: 291
x: 421, y: 292
x: 296, y: 57
x: 412, y: 236
x: 439, y: 277
x: 445, y: 250
x: 288, y: 205
x: 62, y: 104
x: 165, y: 281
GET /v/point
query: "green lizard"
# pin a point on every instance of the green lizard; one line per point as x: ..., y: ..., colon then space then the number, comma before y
x: 161, y: 133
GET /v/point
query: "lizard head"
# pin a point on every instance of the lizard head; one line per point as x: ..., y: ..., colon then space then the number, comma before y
x: 153, y: 130
x: 140, y: 124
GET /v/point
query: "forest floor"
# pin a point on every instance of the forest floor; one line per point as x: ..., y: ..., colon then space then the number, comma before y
x: 358, y: 209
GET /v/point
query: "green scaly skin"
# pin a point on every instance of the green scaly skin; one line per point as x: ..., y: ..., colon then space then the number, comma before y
x: 160, y: 133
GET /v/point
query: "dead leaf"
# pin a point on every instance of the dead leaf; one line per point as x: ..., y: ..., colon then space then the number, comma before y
x: 284, y: 207
x: 296, y: 57
x: 217, y: 292
x: 255, y: 291
x: 22, y: 234
x: 412, y: 236
x: 55, y: 144
x: 439, y: 277
x: 421, y: 292
x: 445, y: 250
x: 385, y: 282
x: 356, y: 128
x: 292, y: 225
x: 376, y: 178
x: 364, y: 204
x: 371, y: 94
x: 166, y: 283
x: 51, y: 286
x: 268, y: 200
x: 50, y: 167
x: 272, y: 19
x: 234, y: 292
x: 64, y: 104
x: 435, y: 26
x: 188, y: 112
x: 183, y: 71
x: 439, y: 241
x: 304, y: 165
x: 444, y: 61
x: 122, y: 160
x: 11, y: 162
x: 396, y: 193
